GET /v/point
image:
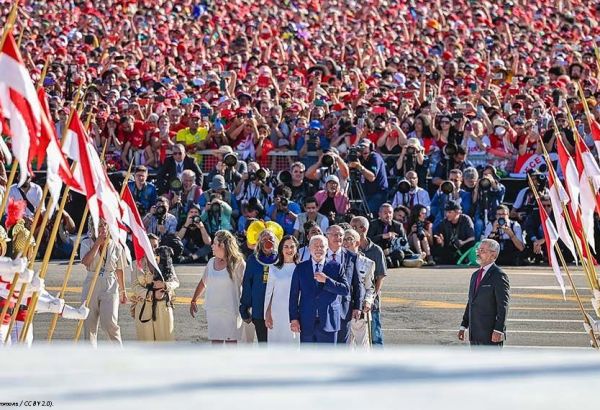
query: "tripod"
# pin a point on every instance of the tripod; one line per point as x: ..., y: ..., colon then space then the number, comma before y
x: 356, y: 195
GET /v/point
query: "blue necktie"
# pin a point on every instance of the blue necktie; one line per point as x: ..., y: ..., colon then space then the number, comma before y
x: 179, y: 168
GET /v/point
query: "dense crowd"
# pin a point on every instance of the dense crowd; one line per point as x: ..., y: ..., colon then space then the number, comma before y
x: 309, y: 113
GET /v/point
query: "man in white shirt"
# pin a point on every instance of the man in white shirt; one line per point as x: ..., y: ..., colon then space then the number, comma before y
x: 415, y: 194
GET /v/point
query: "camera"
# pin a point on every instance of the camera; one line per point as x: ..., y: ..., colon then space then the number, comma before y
x: 230, y: 160
x: 485, y: 184
x: 176, y: 185
x: 215, y: 208
x: 327, y: 160
x: 450, y: 150
x: 411, y: 150
x: 447, y: 187
x: 501, y: 221
x: 283, y: 201
x: 420, y: 230
x: 196, y: 219
x: 352, y: 154
x: 404, y: 187
x: 285, y: 177
x: 161, y: 211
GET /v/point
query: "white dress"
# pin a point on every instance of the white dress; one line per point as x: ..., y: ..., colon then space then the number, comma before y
x: 222, y: 301
x: 278, y: 292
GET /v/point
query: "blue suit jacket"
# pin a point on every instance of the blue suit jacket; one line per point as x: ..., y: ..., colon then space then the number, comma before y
x: 354, y: 299
x: 307, y: 297
x: 254, y: 286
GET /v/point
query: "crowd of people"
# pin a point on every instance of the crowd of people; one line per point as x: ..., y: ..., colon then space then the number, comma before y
x: 313, y: 113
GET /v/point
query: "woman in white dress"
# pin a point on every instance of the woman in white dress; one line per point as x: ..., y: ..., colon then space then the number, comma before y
x: 222, y: 280
x: 277, y: 296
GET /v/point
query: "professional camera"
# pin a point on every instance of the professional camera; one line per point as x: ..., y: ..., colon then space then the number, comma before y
x: 450, y: 150
x: 283, y: 201
x: 215, y: 208
x: 353, y: 154
x: 485, y: 184
x: 420, y: 230
x: 175, y: 185
x: 501, y: 222
x: 285, y: 177
x: 261, y: 174
x: 454, y: 242
x: 447, y: 187
x: 161, y: 212
x: 404, y: 187
x: 410, y: 150
x: 327, y: 160
x: 196, y: 219
x: 230, y: 160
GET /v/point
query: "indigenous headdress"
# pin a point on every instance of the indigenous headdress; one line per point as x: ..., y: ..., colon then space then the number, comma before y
x: 17, y: 232
x: 266, y: 237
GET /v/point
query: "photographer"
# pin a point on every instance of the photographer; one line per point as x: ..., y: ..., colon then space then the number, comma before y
x: 509, y: 235
x: 216, y: 215
x: 195, y: 238
x: 218, y: 186
x: 455, y: 158
x: 454, y: 236
x: 159, y: 221
x: 450, y: 190
x: 329, y: 163
x: 182, y: 198
x: 153, y: 293
x: 143, y: 192
x: 525, y: 202
x: 254, y: 184
x: 284, y: 211
x: 410, y: 194
x: 310, y: 214
x: 412, y: 158
x: 487, y: 196
x: 331, y: 200
x: 229, y: 166
x: 420, y: 235
x: 389, y: 235
x: 310, y: 142
x: 299, y: 184
x: 368, y: 169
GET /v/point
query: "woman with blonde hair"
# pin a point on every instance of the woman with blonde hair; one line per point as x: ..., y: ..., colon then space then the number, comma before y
x: 222, y: 281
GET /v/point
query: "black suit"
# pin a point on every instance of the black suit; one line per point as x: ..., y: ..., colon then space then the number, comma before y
x: 169, y: 171
x: 487, y: 308
x: 376, y: 232
x: 352, y: 301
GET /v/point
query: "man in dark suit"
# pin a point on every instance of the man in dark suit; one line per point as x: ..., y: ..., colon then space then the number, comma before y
x: 352, y: 303
x: 174, y: 167
x: 487, y: 306
x: 315, y: 296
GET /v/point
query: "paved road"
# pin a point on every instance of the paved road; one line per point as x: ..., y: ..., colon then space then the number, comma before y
x: 420, y: 306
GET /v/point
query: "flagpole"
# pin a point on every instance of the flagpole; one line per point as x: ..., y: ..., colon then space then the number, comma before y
x: 92, y: 286
x: 564, y: 265
x: 10, y: 22
x: 63, y: 289
x: 584, y: 261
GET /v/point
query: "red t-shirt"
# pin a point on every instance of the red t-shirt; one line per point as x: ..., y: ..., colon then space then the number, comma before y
x: 136, y: 138
x: 267, y: 147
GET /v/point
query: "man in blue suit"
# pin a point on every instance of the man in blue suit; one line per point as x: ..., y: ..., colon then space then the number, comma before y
x: 315, y: 296
x: 352, y: 303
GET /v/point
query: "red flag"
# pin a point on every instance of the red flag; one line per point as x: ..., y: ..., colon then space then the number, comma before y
x: 587, y: 193
x: 570, y: 173
x: 559, y: 197
x: 595, y: 128
x: 139, y: 236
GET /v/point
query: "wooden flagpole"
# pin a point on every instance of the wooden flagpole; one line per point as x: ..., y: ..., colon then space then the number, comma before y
x: 566, y: 269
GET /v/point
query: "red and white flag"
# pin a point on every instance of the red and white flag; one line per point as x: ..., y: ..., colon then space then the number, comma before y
x: 551, y: 236
x: 20, y: 104
x: 587, y: 196
x: 57, y: 167
x: 558, y: 198
x: 139, y: 236
x: 570, y: 173
x: 102, y: 199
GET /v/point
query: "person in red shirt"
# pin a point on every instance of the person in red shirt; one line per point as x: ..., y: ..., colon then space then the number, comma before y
x: 264, y: 145
x: 132, y: 134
